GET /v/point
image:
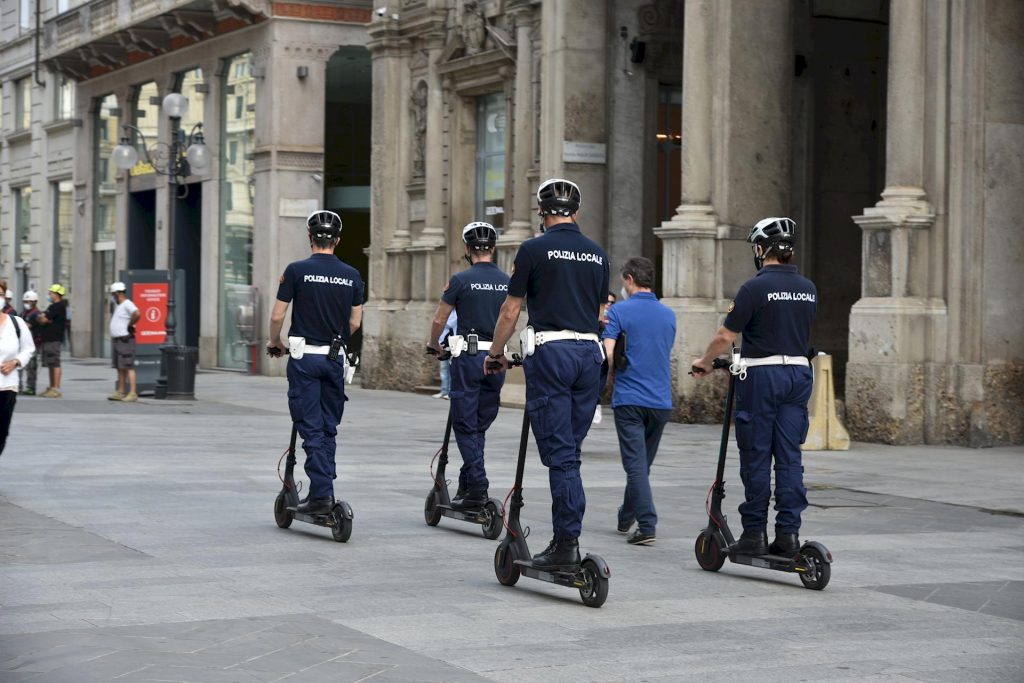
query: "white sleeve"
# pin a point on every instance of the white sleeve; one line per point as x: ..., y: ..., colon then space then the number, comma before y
x: 27, y: 346
x: 131, y: 308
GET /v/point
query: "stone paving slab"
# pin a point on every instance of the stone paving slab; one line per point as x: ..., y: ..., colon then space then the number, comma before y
x: 137, y: 543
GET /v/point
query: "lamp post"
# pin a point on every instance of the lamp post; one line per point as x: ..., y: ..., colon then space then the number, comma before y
x: 185, y: 154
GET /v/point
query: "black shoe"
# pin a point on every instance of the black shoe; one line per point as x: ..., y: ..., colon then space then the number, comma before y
x: 564, y: 555
x: 469, y: 500
x: 640, y: 538
x: 315, y: 506
x: 784, y: 544
x: 624, y: 528
x: 751, y: 544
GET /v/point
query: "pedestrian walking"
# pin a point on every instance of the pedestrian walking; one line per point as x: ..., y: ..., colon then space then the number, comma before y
x: 326, y: 295
x: 53, y: 321
x: 445, y: 364
x: 30, y: 314
x: 476, y: 295
x: 563, y: 277
x: 645, y: 330
x: 9, y: 308
x: 122, y: 335
x: 16, y: 348
x: 774, y: 311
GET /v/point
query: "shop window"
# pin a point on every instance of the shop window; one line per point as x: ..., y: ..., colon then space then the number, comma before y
x: 23, y: 222
x: 192, y: 86
x: 106, y: 126
x: 146, y: 113
x: 64, y: 106
x: 23, y: 103
x: 490, y: 159
x: 63, y: 201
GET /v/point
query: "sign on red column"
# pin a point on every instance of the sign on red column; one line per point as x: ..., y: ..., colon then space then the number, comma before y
x: 151, y: 298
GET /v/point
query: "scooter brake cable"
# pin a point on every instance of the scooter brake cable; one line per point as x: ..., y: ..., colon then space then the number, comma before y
x: 432, y: 461
x: 504, y: 517
x: 707, y: 506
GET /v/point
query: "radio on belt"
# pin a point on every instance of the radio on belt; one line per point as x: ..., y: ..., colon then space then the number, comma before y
x: 335, y: 349
x: 472, y: 339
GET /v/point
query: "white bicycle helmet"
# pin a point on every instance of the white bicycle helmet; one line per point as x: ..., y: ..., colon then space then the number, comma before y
x: 771, y: 234
x: 479, y: 235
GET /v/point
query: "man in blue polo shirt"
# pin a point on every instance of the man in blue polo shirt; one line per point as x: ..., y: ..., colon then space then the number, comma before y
x: 563, y: 277
x: 326, y: 296
x: 644, y: 329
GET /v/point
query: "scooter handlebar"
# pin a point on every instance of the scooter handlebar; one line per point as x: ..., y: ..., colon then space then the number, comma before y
x: 514, y: 362
x: 444, y: 355
x: 275, y: 352
x: 716, y: 364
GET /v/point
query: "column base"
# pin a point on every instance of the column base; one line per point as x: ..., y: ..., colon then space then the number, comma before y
x: 394, y: 339
x: 703, y: 400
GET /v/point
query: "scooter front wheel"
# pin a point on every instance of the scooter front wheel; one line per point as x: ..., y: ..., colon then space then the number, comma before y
x: 504, y: 565
x: 341, y: 524
x: 493, y: 521
x: 595, y: 590
x: 282, y: 515
x: 709, y: 554
x: 431, y: 511
x: 819, y: 571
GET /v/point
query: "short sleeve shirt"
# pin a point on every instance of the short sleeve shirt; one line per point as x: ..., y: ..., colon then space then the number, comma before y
x: 564, y: 277
x: 57, y: 314
x: 477, y: 294
x: 650, y: 329
x: 774, y: 311
x: 322, y: 289
x: 121, y: 318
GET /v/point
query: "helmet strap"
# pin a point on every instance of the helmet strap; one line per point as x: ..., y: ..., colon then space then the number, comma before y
x: 759, y: 254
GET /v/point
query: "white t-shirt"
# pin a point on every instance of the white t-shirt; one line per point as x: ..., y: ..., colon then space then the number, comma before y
x: 12, y: 347
x: 121, y: 317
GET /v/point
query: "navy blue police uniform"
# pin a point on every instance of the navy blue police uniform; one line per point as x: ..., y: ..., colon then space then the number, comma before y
x: 477, y: 294
x: 322, y: 290
x: 774, y: 311
x: 564, y: 277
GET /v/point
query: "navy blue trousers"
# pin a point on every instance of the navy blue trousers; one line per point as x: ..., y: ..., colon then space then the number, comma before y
x: 563, y: 381
x: 475, y: 398
x: 771, y: 423
x: 639, y: 430
x: 316, y: 401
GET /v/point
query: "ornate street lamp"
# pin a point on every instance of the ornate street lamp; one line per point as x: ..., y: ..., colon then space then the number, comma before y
x: 177, y: 160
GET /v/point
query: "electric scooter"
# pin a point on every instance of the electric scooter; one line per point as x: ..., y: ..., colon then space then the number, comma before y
x: 438, y: 503
x: 812, y: 562
x: 512, y: 558
x: 338, y: 520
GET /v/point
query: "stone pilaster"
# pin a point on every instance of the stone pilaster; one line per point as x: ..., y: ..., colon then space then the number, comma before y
x: 520, y: 226
x: 894, y: 324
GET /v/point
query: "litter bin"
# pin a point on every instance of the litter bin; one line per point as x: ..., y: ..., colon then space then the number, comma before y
x: 180, y: 364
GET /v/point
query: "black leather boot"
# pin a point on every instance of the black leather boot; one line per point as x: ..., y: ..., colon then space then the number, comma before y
x: 469, y: 500
x: 564, y: 555
x: 315, y: 506
x: 785, y: 544
x: 751, y: 543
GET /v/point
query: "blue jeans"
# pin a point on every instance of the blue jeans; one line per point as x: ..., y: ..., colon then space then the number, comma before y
x: 771, y: 423
x: 475, y: 398
x: 316, y: 401
x: 446, y: 377
x: 563, y: 380
x: 639, y: 431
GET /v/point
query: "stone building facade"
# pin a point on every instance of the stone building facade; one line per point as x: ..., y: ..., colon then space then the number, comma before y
x: 892, y: 131
x: 267, y: 81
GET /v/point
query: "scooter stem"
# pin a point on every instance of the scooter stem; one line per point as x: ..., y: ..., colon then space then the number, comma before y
x: 725, y: 428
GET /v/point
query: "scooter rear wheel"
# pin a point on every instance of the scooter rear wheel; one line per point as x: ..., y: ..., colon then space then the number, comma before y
x: 709, y: 555
x: 341, y: 525
x: 282, y: 515
x: 820, y: 571
x: 492, y: 527
x: 431, y: 512
x: 504, y: 566
x: 595, y: 592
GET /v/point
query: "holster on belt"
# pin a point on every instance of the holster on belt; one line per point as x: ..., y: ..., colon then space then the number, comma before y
x: 527, y: 341
x: 296, y: 347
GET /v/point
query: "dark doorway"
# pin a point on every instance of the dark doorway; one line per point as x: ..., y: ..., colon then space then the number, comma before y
x: 187, y: 254
x: 142, y: 230
x: 846, y: 151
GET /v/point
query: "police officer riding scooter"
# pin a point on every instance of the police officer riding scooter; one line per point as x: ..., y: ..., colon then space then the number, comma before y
x: 326, y: 296
x: 774, y: 311
x: 476, y: 295
x: 563, y: 277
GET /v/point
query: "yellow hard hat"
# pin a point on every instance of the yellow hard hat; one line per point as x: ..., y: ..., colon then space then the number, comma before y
x: 58, y: 288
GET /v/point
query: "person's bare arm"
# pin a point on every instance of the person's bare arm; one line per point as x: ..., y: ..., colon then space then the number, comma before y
x: 508, y: 316
x: 720, y: 343
x: 355, y: 320
x: 441, y: 315
x: 609, y: 353
x: 276, y: 323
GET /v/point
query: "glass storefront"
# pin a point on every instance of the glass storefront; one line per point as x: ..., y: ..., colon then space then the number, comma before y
x: 190, y: 85
x: 23, y: 223
x: 237, y: 138
x: 490, y: 159
x: 106, y: 132
x: 146, y: 115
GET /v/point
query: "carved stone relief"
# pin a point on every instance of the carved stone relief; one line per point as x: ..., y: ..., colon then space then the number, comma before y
x: 660, y: 26
x: 418, y: 103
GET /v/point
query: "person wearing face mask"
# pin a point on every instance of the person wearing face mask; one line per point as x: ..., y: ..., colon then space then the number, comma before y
x: 30, y: 314
x: 54, y: 321
x: 122, y: 334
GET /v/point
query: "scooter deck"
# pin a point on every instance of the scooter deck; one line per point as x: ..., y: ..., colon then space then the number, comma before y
x: 471, y: 515
x: 778, y: 562
x: 564, y: 577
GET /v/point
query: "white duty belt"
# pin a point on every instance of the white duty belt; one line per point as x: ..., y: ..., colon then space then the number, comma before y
x: 529, y: 339
x: 297, y: 348
x: 457, y: 345
x: 739, y: 365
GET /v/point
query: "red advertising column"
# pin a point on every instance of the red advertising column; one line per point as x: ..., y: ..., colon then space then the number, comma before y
x: 151, y: 298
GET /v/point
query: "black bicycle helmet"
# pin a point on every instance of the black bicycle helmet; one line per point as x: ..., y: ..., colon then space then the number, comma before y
x: 479, y: 235
x: 772, y: 234
x: 323, y: 224
x: 558, y: 197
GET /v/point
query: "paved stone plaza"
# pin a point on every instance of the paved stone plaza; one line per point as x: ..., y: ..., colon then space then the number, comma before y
x: 137, y: 543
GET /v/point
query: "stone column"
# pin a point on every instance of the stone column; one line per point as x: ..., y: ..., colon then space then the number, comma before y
x: 433, y: 230
x: 892, y: 324
x: 520, y: 226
